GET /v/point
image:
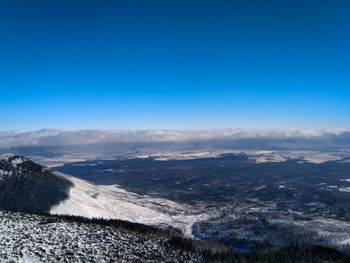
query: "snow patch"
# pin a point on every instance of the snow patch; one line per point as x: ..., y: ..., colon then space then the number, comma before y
x: 344, y: 189
x: 345, y: 180
x: 6, y: 156
x: 29, y: 259
x: 345, y: 241
x: 17, y: 161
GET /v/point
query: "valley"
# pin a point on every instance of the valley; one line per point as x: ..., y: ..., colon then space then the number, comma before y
x: 244, y: 204
x: 249, y: 205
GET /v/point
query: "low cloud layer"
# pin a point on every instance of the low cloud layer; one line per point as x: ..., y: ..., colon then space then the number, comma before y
x: 10, y: 139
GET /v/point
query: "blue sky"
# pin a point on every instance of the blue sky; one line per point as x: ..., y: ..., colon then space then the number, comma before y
x: 190, y: 64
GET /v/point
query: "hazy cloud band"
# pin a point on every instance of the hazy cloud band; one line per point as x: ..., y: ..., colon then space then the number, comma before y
x: 50, y: 137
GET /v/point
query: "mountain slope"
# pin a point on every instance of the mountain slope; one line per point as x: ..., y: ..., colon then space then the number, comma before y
x: 112, y: 202
x: 26, y: 238
x: 27, y: 186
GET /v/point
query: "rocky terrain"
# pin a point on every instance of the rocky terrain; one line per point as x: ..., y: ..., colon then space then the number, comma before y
x: 33, y: 238
x: 37, y: 238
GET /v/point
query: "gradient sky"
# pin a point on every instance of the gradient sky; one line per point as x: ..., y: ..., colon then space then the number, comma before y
x: 174, y: 64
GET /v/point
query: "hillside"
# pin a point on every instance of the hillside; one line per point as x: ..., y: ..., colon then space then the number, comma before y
x: 34, y: 238
x: 27, y: 186
x: 41, y: 239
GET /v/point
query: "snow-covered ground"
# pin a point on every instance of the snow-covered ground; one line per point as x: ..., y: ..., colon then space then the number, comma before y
x: 37, y: 239
x: 260, y: 156
x: 112, y: 202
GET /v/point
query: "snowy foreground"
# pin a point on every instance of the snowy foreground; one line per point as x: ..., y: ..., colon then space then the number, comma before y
x: 37, y: 239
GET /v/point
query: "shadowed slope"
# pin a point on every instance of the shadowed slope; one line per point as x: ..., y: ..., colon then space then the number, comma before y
x: 27, y: 186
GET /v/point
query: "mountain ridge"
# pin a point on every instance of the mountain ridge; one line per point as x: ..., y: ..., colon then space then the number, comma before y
x: 27, y: 186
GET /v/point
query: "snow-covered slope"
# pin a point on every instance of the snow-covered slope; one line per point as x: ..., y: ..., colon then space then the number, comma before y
x: 35, y: 188
x: 26, y: 238
x: 113, y: 202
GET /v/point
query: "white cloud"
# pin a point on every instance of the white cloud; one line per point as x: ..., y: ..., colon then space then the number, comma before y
x: 49, y: 137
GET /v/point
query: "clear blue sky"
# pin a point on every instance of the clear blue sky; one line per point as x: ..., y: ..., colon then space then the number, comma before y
x: 174, y: 64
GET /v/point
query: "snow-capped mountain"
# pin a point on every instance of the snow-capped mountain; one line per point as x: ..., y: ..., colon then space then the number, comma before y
x: 27, y: 186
